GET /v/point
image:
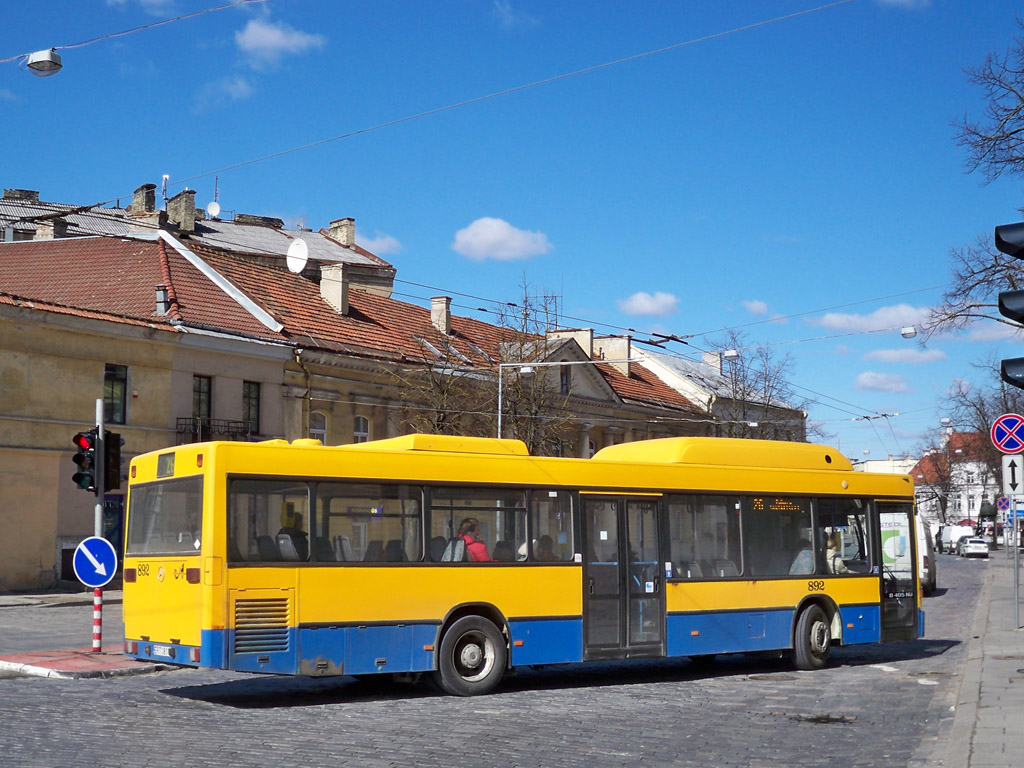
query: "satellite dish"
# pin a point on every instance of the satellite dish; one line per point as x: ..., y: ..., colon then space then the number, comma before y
x: 298, y: 255
x: 213, y: 209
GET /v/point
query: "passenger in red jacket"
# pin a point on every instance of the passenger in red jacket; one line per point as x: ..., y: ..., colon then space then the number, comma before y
x: 469, y: 531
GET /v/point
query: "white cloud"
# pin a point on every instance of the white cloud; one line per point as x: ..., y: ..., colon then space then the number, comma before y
x: 490, y: 238
x: 756, y: 307
x: 988, y: 330
x: 512, y: 18
x: 881, y: 382
x: 660, y: 304
x: 380, y: 244
x: 905, y: 3
x: 265, y: 43
x: 235, y: 88
x: 907, y: 356
x: 886, y: 317
x: 152, y: 7
x: 6, y: 95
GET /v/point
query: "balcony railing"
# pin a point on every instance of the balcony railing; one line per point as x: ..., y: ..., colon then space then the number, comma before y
x: 202, y: 430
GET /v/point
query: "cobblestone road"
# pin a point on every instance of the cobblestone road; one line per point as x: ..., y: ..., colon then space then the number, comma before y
x: 879, y: 706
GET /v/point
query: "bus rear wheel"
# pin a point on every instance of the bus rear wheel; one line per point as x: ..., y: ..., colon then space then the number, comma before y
x: 813, y: 640
x: 472, y: 657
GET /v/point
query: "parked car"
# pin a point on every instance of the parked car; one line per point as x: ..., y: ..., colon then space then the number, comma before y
x: 926, y: 557
x: 973, y: 546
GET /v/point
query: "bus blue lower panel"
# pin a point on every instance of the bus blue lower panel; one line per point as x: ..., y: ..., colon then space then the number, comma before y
x: 367, y: 649
x: 861, y: 624
x: 691, y: 634
x: 546, y: 641
x: 694, y: 634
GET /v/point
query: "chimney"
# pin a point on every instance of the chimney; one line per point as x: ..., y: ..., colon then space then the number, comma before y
x: 26, y: 195
x: 181, y: 210
x: 584, y: 337
x: 50, y: 229
x: 144, y: 200
x: 343, y: 230
x: 714, y: 359
x: 163, y: 300
x: 616, y: 348
x: 334, y: 286
x: 441, y: 313
x: 259, y: 221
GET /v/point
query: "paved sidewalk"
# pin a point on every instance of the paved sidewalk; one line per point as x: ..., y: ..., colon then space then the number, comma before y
x: 76, y: 663
x: 986, y: 730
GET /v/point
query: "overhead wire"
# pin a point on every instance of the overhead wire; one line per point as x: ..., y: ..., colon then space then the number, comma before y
x: 111, y: 35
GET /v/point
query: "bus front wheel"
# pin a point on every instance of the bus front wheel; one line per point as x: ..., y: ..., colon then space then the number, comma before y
x: 472, y: 657
x: 813, y: 640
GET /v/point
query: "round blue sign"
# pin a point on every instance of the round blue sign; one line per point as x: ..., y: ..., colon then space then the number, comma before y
x: 95, y: 561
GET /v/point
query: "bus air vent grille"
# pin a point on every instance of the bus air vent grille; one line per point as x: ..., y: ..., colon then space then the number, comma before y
x: 261, y: 626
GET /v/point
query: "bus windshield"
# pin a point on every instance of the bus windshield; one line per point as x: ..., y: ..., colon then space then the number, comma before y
x: 166, y: 517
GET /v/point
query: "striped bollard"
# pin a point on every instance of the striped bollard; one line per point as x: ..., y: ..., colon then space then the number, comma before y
x: 97, y: 620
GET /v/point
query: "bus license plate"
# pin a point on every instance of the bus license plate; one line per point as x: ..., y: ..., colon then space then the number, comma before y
x: 162, y: 650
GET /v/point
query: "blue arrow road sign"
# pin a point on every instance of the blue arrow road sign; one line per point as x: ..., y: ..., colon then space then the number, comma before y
x: 95, y: 561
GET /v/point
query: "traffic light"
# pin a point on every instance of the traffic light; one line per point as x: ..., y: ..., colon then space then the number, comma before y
x: 85, y: 459
x: 1010, y: 240
x: 112, y: 442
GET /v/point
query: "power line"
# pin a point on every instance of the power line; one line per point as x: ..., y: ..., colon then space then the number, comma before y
x: 90, y: 41
x: 515, y: 89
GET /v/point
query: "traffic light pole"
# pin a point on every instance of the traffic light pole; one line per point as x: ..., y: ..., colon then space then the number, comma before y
x: 98, y: 522
x: 97, y: 594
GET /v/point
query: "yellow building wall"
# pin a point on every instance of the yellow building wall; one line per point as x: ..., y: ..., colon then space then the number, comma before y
x: 51, y: 374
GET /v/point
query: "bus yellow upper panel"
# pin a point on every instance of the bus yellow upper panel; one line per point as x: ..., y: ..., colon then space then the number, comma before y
x: 448, y: 444
x: 725, y: 465
x: 727, y: 451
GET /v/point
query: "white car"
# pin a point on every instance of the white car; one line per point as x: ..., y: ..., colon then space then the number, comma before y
x: 975, y: 546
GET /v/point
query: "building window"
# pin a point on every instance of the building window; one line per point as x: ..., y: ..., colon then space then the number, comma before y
x: 115, y: 387
x: 201, y: 386
x: 361, y: 430
x: 318, y: 426
x: 565, y: 379
x: 251, y: 406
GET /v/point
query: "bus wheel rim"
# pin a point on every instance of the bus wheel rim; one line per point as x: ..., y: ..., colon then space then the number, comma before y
x: 474, y: 657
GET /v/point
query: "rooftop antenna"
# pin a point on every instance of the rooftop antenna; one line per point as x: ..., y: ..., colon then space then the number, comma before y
x: 213, y: 209
x: 163, y: 189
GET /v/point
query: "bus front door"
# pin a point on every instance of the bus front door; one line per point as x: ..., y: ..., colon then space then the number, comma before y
x: 624, y: 603
x: 899, y: 586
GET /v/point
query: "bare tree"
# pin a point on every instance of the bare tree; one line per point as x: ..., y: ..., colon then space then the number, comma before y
x: 444, y: 396
x: 533, y: 405
x: 974, y: 407
x: 759, y: 392
x: 979, y: 273
x: 995, y: 146
x: 939, y: 483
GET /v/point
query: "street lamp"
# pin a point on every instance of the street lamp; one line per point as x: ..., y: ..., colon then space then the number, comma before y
x: 44, y: 63
x: 527, y: 369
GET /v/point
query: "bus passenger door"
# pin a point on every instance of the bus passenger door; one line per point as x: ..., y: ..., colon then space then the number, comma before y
x: 898, y: 559
x: 623, y: 611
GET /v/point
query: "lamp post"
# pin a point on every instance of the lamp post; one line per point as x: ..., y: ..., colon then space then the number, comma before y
x: 527, y: 369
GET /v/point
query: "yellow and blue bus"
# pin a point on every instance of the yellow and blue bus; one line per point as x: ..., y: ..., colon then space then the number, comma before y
x: 464, y: 557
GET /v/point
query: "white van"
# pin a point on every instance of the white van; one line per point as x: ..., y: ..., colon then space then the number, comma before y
x: 951, y: 534
x: 926, y: 557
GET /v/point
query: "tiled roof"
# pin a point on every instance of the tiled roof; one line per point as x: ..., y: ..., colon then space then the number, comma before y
x: 116, y: 278
x: 643, y: 388
x: 961, y: 447
x: 21, y: 214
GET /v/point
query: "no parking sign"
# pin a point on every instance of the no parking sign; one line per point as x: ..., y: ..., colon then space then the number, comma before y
x: 1008, y: 433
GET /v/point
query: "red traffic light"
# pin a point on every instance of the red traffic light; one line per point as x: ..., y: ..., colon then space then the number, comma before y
x: 85, y: 441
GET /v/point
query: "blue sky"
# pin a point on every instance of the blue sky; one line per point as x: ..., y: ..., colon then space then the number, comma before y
x: 798, y: 180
